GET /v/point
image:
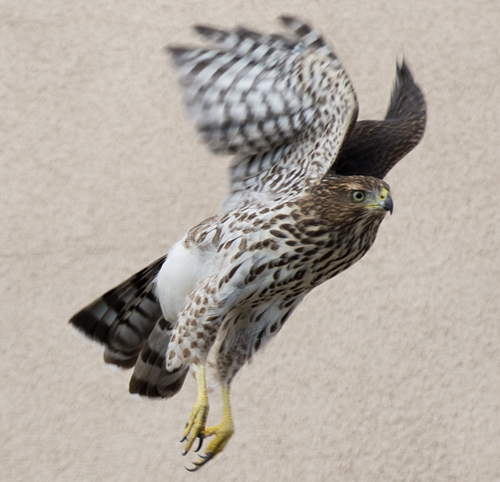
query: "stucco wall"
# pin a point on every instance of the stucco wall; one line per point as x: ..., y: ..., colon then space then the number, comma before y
x: 390, y: 372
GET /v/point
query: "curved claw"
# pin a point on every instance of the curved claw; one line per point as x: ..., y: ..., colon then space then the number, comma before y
x: 204, y: 459
x: 196, y: 426
x: 201, y: 437
x: 183, y: 439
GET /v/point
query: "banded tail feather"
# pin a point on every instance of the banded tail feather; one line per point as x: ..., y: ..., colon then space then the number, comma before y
x: 128, y: 321
x: 150, y: 377
x: 123, y: 318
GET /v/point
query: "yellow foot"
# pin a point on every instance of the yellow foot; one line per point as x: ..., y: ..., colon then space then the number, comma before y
x: 195, y: 428
x: 222, y: 432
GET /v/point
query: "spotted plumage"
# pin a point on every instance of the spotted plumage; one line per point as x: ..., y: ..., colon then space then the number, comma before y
x: 306, y: 198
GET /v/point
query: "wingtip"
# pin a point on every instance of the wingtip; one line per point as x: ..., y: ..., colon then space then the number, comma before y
x: 174, y: 49
x: 177, y: 54
x: 211, y: 33
x: 287, y: 19
x: 403, y: 70
x: 404, y: 80
x: 203, y: 29
x: 295, y: 23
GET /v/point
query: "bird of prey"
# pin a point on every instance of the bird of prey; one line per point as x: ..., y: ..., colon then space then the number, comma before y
x: 306, y: 198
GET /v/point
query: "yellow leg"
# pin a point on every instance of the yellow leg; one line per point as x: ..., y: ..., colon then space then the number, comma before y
x: 223, y: 432
x: 196, y: 425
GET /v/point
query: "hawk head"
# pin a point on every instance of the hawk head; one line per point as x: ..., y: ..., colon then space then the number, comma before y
x: 342, y: 201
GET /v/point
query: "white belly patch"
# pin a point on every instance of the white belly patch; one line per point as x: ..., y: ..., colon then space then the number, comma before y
x: 179, y: 275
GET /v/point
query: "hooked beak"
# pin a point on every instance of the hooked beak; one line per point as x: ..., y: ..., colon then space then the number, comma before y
x: 384, y: 201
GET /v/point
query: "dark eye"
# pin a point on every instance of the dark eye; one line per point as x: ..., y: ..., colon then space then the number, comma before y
x: 358, y: 196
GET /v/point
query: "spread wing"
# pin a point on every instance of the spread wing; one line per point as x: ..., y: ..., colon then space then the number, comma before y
x: 282, y: 105
x: 374, y: 147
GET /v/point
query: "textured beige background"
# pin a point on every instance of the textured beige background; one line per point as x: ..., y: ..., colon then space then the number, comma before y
x: 390, y: 372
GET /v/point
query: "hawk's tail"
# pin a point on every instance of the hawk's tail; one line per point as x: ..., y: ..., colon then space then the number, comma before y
x: 150, y: 377
x: 128, y: 321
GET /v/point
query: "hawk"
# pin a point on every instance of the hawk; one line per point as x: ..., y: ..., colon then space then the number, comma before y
x: 306, y: 198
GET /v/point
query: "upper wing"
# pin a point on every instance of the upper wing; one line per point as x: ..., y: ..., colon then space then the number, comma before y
x: 374, y: 147
x: 282, y: 105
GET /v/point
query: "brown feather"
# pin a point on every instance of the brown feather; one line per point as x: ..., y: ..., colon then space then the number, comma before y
x: 375, y: 147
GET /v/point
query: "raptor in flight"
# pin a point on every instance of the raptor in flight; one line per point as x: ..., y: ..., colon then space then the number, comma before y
x: 306, y: 199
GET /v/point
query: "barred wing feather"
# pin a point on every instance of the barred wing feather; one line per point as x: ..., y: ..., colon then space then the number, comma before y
x: 282, y: 105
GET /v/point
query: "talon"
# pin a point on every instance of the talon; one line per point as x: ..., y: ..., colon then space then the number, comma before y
x: 201, y: 437
x: 195, y: 428
x: 202, y: 462
x: 206, y: 458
